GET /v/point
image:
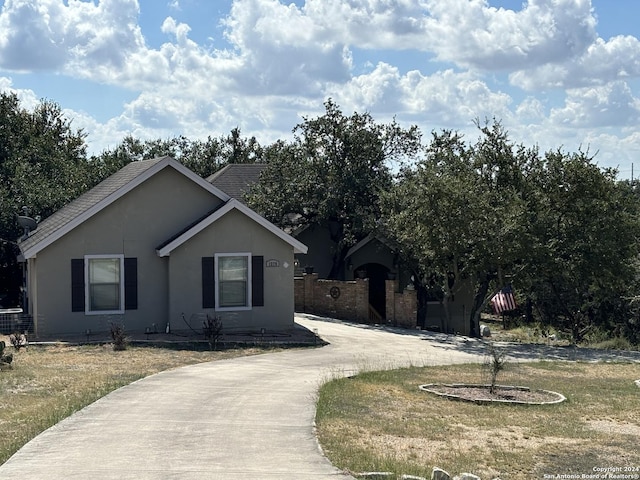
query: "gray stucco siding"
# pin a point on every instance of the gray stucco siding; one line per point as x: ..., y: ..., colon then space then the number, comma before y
x: 233, y: 233
x: 133, y: 226
x: 321, y: 250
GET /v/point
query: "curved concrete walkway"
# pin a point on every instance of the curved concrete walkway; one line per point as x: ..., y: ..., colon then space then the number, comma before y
x: 243, y: 418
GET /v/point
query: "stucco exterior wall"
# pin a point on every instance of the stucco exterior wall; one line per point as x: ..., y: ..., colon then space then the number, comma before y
x: 133, y: 226
x: 233, y: 233
x: 321, y: 250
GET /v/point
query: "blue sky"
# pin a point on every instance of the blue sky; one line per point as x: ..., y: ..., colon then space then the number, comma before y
x: 557, y: 73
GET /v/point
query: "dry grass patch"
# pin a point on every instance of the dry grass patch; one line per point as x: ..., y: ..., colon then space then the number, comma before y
x: 382, y: 421
x: 47, y: 384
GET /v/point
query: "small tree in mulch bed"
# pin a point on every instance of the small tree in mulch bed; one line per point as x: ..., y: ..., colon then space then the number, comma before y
x: 496, y: 363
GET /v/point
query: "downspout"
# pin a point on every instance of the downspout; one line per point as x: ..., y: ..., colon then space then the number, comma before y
x: 32, y: 293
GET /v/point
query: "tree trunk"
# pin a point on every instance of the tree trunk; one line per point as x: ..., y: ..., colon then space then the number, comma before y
x: 478, y: 304
x: 337, y: 267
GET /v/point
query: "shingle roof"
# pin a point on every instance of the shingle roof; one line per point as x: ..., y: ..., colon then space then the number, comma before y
x: 236, y: 179
x: 99, y: 196
x: 87, y: 200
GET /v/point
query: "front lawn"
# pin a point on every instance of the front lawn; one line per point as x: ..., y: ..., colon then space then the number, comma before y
x: 381, y: 421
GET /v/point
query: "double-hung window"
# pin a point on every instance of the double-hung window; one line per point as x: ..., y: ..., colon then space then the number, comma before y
x: 104, y: 281
x: 233, y: 281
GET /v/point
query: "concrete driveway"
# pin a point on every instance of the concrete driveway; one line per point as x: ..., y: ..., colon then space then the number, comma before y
x: 243, y: 418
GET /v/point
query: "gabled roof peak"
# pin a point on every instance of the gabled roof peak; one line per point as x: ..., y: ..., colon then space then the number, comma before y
x: 165, y: 249
x: 106, y: 192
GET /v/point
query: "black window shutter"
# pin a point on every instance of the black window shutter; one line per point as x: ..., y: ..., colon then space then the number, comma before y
x: 208, y: 283
x: 257, y: 281
x: 77, y: 284
x: 130, y: 283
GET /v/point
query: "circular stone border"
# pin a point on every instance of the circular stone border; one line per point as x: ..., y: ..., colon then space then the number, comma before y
x: 429, y: 388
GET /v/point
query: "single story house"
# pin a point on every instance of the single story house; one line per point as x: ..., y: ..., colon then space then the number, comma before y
x: 151, y: 246
x: 373, y: 257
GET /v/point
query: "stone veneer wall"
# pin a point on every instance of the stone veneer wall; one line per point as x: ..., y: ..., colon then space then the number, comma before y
x: 313, y: 295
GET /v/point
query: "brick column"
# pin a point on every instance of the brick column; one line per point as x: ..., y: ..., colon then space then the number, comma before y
x: 362, y: 300
x: 390, y: 300
x: 409, y: 306
x: 298, y: 288
x: 310, y: 280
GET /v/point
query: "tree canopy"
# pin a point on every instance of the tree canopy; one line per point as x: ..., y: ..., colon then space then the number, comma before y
x: 557, y: 227
x: 332, y: 174
x: 42, y: 167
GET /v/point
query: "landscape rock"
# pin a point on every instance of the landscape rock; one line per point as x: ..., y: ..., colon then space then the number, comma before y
x: 485, y: 331
x: 467, y: 476
x: 439, y: 474
x: 375, y: 475
x: 411, y: 477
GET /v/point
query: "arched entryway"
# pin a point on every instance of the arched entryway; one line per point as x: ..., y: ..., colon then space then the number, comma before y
x: 377, y: 275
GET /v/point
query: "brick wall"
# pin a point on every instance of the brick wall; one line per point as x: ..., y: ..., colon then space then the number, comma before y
x: 332, y: 298
x: 350, y: 300
x: 402, y: 307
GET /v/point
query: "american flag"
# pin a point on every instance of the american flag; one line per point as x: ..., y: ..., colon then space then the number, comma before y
x: 503, y: 301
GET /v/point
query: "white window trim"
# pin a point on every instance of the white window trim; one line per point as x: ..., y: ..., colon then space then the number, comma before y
x: 87, y: 299
x: 216, y: 283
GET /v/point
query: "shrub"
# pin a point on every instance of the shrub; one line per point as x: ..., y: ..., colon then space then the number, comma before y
x: 212, y: 329
x: 5, y: 360
x: 119, y: 337
x: 18, y: 340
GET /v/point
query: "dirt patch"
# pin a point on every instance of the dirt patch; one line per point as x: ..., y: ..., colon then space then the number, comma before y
x: 501, y: 393
x: 616, y: 428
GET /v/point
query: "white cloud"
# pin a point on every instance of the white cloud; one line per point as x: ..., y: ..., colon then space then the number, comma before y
x: 283, y: 60
x: 613, y: 60
x: 470, y: 33
x: 283, y: 50
x: 28, y: 98
x: 442, y: 98
x: 612, y: 105
x: 72, y: 36
x: 531, y: 110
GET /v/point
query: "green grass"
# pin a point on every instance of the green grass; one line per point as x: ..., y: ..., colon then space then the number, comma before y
x: 382, y: 421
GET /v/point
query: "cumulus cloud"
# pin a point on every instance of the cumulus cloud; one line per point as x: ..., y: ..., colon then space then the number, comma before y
x: 602, y: 62
x: 283, y: 49
x: 68, y: 36
x: 445, y: 97
x: 282, y: 59
x: 470, y: 33
x: 28, y: 98
x: 610, y: 105
x: 531, y: 110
